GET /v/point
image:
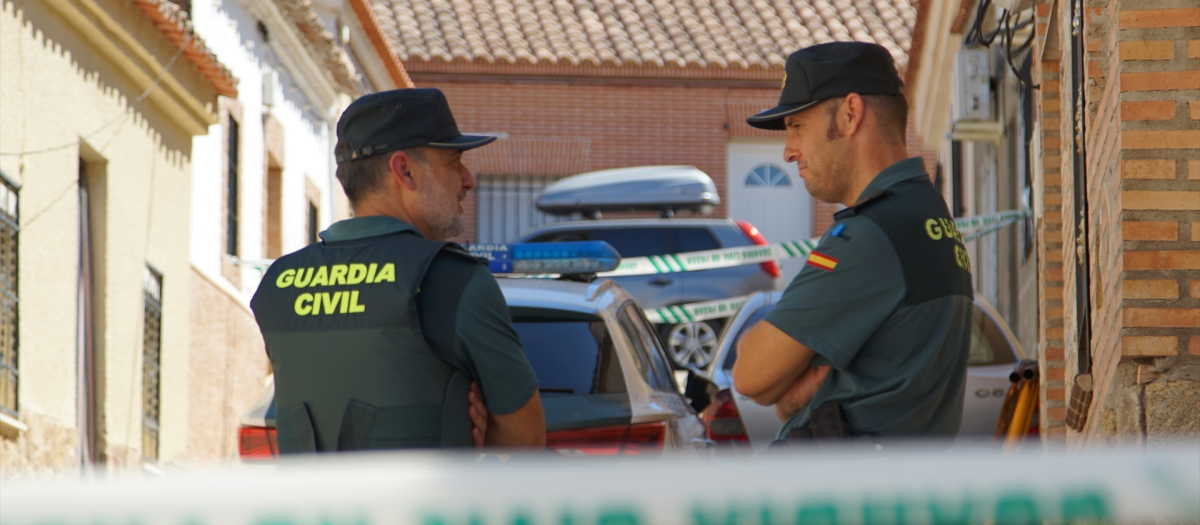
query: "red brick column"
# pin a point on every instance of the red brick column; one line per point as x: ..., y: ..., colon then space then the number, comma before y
x: 1051, y: 125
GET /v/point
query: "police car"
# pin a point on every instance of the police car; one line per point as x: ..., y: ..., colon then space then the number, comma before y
x: 606, y: 384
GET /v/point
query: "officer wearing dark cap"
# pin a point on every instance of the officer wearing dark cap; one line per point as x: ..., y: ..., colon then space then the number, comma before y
x: 379, y: 333
x: 871, y: 338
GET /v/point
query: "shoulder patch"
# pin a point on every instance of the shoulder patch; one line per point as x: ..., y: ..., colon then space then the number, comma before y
x: 821, y: 261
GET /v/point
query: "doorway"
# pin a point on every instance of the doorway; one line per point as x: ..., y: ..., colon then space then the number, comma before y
x: 768, y: 192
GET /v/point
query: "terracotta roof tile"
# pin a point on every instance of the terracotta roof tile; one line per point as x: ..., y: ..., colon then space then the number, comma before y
x: 734, y: 34
x: 323, y: 45
x: 177, y: 27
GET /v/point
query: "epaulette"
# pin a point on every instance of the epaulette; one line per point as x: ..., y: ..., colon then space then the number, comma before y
x: 460, y: 251
x: 874, y: 197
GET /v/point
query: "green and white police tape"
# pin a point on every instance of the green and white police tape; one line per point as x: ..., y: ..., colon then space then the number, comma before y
x: 834, y: 486
x: 688, y: 313
x: 730, y: 257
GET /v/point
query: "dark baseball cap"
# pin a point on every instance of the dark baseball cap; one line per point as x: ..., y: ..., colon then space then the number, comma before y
x: 400, y: 119
x: 830, y: 70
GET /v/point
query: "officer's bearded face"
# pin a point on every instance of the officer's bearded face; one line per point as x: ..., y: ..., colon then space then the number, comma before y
x: 817, y: 147
x: 442, y: 189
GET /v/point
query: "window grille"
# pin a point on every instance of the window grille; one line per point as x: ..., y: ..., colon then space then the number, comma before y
x: 231, y: 197
x: 506, y: 206
x: 151, y: 361
x: 9, y: 228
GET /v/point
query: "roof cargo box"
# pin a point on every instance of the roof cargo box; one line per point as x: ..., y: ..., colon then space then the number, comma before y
x: 665, y: 189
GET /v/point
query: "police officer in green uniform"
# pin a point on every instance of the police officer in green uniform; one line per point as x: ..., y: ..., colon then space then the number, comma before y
x: 379, y: 333
x: 871, y: 338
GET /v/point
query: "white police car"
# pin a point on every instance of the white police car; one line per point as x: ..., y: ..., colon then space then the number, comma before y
x: 606, y: 384
x: 735, y: 419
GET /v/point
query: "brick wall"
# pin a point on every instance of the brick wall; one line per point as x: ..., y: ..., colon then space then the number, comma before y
x: 557, y: 128
x: 1157, y: 54
x: 1051, y: 347
x: 1142, y: 150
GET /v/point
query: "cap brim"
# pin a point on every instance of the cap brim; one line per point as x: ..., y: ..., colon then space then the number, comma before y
x: 773, y: 118
x: 464, y: 142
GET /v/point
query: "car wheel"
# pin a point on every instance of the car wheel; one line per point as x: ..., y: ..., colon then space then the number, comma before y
x: 691, y: 345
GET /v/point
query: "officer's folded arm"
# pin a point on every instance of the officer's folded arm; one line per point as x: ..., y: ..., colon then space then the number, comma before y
x: 768, y: 362
x: 524, y: 427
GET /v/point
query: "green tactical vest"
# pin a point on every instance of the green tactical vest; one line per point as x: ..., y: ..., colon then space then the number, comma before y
x: 353, y: 370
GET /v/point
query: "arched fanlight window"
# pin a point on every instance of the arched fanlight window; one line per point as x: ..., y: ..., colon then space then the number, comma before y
x: 769, y: 176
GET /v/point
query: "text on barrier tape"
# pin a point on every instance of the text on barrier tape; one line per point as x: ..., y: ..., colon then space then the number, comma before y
x: 682, y: 313
x: 935, y: 486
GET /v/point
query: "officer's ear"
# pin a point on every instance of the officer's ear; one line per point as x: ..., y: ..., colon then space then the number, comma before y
x: 400, y: 170
x: 850, y: 114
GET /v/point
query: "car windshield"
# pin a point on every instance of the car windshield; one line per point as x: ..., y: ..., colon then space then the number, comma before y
x: 988, y: 346
x: 571, y: 354
x: 754, y: 318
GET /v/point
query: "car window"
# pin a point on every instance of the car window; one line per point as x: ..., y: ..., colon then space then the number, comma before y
x: 651, y: 369
x: 988, y: 346
x: 694, y: 240
x: 570, y: 356
x: 634, y: 242
x: 754, y: 318
x: 658, y: 356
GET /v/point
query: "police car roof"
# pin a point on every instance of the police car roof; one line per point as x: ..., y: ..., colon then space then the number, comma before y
x: 550, y: 293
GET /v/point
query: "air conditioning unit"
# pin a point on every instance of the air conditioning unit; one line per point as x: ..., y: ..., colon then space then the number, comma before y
x: 972, y: 115
x: 270, y: 85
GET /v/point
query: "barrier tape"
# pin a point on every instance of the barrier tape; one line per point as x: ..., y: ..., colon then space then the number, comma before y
x: 984, y: 220
x: 832, y: 486
x: 730, y: 257
x: 995, y: 227
x: 711, y: 259
x: 695, y: 311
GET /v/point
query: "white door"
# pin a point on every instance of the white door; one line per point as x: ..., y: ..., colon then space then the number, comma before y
x: 768, y: 192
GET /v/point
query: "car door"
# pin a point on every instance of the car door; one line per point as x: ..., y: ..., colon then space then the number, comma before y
x: 992, y: 358
x: 685, y: 430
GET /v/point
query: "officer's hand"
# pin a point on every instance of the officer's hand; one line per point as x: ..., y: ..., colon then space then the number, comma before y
x: 801, y: 391
x: 479, y: 415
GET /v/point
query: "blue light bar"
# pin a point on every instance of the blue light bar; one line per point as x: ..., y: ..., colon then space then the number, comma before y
x: 548, y: 257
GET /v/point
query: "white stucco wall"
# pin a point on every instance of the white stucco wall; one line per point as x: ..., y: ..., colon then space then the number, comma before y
x: 232, y: 34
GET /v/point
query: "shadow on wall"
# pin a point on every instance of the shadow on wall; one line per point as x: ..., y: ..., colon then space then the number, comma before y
x: 38, y: 102
x: 256, y: 47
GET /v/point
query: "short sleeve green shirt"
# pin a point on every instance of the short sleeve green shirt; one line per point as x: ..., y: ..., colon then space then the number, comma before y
x: 486, y: 346
x: 888, y: 306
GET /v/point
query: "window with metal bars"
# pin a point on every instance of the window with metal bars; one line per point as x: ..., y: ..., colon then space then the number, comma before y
x: 9, y: 228
x: 151, y: 361
x: 506, y: 207
x: 231, y: 195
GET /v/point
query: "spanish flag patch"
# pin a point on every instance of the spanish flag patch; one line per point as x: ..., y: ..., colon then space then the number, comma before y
x: 822, y: 261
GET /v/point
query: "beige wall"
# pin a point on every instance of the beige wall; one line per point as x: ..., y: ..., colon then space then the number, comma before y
x: 59, y: 82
